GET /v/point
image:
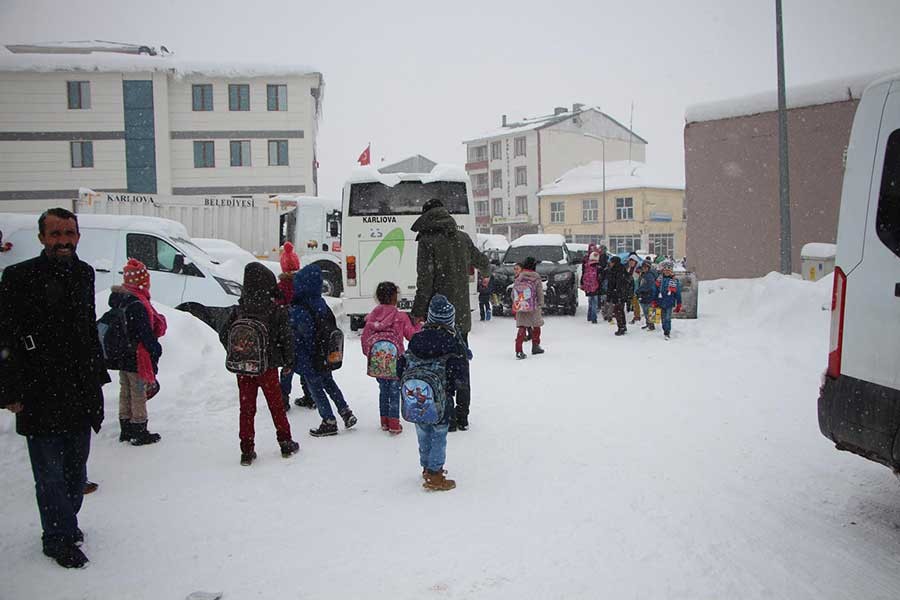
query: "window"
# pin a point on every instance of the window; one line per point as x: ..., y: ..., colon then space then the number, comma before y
x: 521, y: 205
x: 662, y: 244
x: 278, y: 153
x: 79, y: 93
x: 240, y: 154
x: 887, y: 219
x: 156, y: 254
x: 406, y: 198
x: 498, y: 207
x: 624, y: 243
x: 479, y: 181
x: 477, y: 153
x: 557, y: 212
x: 276, y: 97
x: 204, y: 155
x: 203, y: 98
x: 239, y: 96
x: 521, y: 176
x: 590, y: 210
x: 82, y: 154
x: 496, y: 179
x: 625, y: 209
x: 589, y: 239
x: 519, y: 146
x: 482, y: 209
x: 496, y: 150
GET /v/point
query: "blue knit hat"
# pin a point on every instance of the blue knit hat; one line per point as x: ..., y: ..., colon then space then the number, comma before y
x: 441, y: 312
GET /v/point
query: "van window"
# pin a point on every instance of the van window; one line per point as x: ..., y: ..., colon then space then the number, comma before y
x: 406, y: 198
x: 887, y: 219
x: 156, y: 254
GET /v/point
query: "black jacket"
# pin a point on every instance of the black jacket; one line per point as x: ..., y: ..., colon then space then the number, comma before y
x: 137, y: 323
x: 51, y: 361
x: 619, y: 284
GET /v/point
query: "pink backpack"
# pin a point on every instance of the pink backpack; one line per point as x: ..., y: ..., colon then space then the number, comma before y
x: 591, y: 281
x: 524, y: 294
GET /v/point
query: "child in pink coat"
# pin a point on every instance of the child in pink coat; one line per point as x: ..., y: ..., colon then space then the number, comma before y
x: 382, y: 342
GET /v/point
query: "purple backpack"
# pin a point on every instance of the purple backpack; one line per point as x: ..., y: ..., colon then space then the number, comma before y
x: 591, y: 281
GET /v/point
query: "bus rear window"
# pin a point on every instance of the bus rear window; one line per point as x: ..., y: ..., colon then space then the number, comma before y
x: 887, y: 220
x: 406, y: 198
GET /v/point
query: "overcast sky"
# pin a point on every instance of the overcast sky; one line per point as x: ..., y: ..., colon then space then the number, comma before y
x: 418, y: 77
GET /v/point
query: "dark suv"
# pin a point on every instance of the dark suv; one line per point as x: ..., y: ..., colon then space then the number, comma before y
x: 556, y: 266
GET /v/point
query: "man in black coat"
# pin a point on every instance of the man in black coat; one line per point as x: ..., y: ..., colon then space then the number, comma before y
x: 51, y: 375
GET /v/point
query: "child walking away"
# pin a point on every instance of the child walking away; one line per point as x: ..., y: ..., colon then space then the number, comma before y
x: 130, y: 333
x: 618, y: 290
x: 485, y: 285
x: 528, y: 298
x: 646, y: 292
x: 668, y: 295
x: 257, y: 339
x: 318, y: 349
x: 590, y: 283
x: 382, y: 343
x: 431, y: 371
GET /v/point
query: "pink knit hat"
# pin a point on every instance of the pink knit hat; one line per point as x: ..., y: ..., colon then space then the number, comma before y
x: 135, y: 273
x: 290, y: 262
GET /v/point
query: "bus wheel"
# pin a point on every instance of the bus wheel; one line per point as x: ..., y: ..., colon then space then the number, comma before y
x: 331, y: 283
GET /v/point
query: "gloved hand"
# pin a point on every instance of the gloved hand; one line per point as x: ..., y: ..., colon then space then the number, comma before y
x: 678, y: 308
x: 654, y: 304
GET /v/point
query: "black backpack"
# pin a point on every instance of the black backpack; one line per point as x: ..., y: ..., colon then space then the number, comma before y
x: 112, y: 329
x: 247, y: 347
x: 328, y: 345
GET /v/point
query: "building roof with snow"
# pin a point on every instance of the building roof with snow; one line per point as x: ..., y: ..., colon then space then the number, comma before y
x: 115, y: 57
x: 824, y: 92
x: 531, y: 124
x: 620, y: 175
x: 412, y: 164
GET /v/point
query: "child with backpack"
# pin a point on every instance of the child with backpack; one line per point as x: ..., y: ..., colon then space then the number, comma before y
x: 257, y: 340
x: 318, y: 349
x: 382, y: 343
x: 646, y: 292
x: 485, y: 285
x: 528, y: 298
x: 135, y: 351
x: 668, y: 295
x: 431, y: 370
x: 590, y: 283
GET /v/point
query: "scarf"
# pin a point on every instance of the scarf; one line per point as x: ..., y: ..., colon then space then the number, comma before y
x: 157, y: 325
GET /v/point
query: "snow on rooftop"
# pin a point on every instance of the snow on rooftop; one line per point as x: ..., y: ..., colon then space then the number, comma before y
x: 818, y: 250
x: 531, y: 124
x: 440, y: 172
x: 824, y: 92
x: 93, y: 57
x: 620, y: 175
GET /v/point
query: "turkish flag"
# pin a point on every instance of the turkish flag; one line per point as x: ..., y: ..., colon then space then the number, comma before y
x: 366, y: 156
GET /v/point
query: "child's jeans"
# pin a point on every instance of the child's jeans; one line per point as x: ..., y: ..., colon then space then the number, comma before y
x: 592, y: 308
x: 484, y: 308
x: 432, y: 445
x: 666, y: 319
x: 319, y: 385
x: 646, y: 308
x: 389, y: 397
x: 535, y: 337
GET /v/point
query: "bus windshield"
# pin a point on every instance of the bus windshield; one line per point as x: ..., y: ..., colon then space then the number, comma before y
x: 406, y: 198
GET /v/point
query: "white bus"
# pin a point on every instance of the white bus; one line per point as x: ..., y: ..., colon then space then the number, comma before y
x: 378, y: 242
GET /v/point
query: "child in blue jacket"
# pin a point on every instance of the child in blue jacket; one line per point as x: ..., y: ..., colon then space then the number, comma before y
x: 306, y: 305
x: 647, y: 292
x: 668, y: 295
x: 438, y: 338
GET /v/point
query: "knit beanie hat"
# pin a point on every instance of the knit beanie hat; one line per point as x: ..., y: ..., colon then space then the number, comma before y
x: 135, y: 273
x: 530, y: 263
x: 667, y: 264
x: 290, y: 262
x: 433, y: 203
x: 594, y: 258
x: 441, y: 312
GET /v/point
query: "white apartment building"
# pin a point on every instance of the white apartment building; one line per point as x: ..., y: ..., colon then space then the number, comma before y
x: 123, y: 118
x: 510, y: 165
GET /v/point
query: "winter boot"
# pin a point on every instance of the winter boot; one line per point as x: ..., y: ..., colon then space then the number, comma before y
x: 289, y: 447
x: 621, y: 331
x: 425, y: 473
x: 651, y: 327
x: 304, y: 402
x: 141, y: 437
x: 349, y: 418
x: 435, y: 481
x: 394, y: 426
x: 90, y: 487
x: 326, y: 428
x: 247, y: 458
x: 521, y: 355
x: 385, y: 424
x: 66, y: 555
x: 125, y: 430
x: 666, y: 334
x: 536, y: 349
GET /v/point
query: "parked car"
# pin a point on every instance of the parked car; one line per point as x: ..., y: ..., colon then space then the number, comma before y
x: 556, y: 266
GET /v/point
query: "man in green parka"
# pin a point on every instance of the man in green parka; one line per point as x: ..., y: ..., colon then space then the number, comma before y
x: 445, y: 255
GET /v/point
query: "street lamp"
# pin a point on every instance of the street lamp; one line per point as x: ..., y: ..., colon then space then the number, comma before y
x: 603, y: 159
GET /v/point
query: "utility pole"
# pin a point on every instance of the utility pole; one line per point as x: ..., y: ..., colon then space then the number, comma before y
x: 784, y: 181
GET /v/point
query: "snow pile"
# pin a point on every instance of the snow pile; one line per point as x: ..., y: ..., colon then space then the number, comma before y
x: 818, y: 250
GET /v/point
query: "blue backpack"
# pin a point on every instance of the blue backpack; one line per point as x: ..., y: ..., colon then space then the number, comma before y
x: 423, y: 395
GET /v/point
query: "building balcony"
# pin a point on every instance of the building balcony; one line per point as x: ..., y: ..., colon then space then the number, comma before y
x: 480, y: 165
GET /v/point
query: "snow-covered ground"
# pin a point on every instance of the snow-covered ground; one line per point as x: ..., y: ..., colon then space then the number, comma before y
x: 606, y: 468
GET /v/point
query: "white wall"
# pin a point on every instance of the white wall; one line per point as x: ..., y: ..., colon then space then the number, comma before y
x: 48, y: 166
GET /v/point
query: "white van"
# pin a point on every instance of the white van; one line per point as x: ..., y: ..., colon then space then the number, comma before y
x: 378, y: 212
x: 859, y: 403
x: 181, y: 274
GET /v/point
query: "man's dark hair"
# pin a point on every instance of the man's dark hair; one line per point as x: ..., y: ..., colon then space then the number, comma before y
x: 385, y: 291
x: 59, y: 213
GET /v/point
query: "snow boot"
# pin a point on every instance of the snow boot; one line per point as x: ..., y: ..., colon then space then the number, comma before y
x: 394, y: 426
x: 304, y: 402
x: 451, y: 427
x: 385, y: 424
x: 621, y: 331
x: 349, y: 418
x: 666, y: 334
x: 125, y: 432
x: 435, y: 481
x: 425, y: 472
x: 651, y: 327
x: 536, y: 349
x: 521, y: 355
x: 326, y: 428
x: 66, y: 555
x: 142, y: 437
x: 247, y: 458
x: 289, y: 447
x: 90, y: 487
